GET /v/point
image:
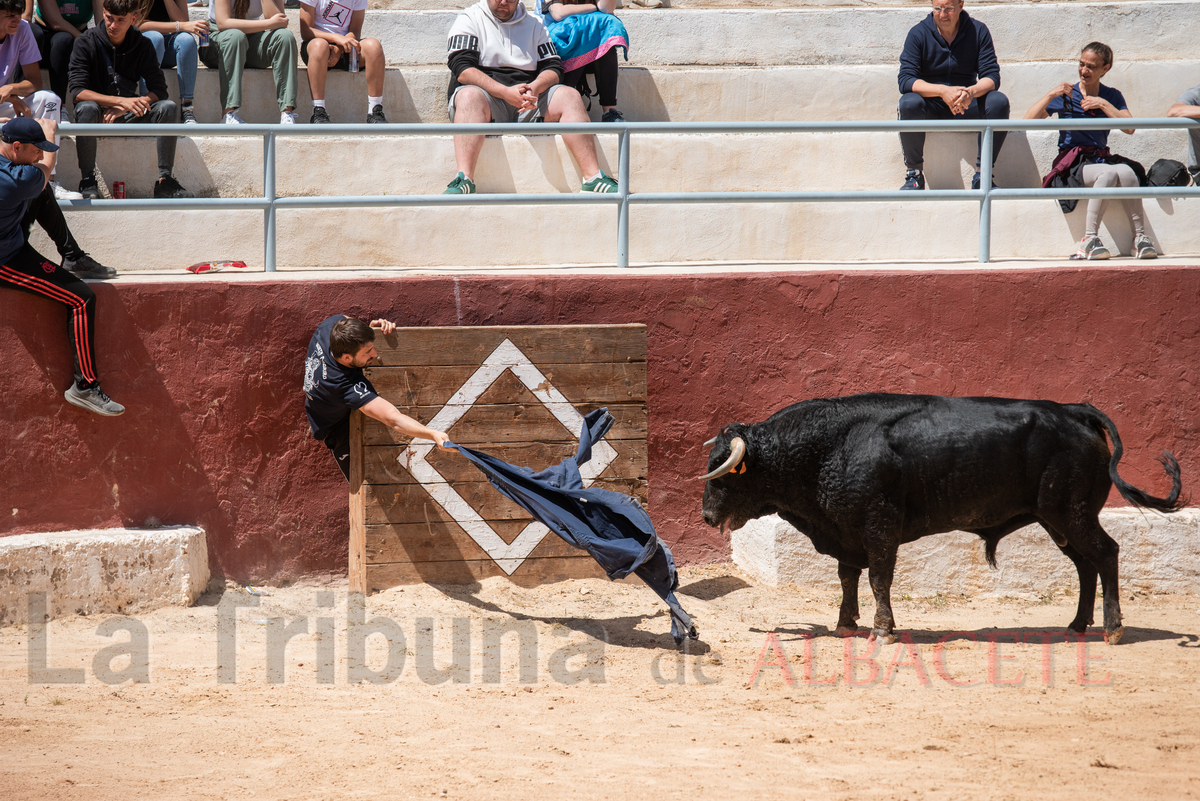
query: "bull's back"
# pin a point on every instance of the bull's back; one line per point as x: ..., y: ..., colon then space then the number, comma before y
x: 961, y: 463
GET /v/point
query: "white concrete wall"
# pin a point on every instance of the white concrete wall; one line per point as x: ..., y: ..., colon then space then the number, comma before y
x: 399, y: 238
x: 117, y: 571
x: 1159, y: 553
x: 771, y: 37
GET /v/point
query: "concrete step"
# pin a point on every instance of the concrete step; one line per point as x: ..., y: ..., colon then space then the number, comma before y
x: 1152, y: 558
x: 704, y: 94
x: 333, y: 238
x: 112, y: 571
x: 769, y: 37
x: 420, y: 165
x: 422, y: 239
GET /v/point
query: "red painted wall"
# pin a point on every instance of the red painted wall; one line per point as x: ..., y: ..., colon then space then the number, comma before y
x: 215, y: 432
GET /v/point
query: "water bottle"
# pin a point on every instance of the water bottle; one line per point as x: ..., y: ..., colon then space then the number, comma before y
x: 353, y: 59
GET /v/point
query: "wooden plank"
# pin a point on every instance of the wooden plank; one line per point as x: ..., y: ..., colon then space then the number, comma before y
x: 513, y: 423
x: 433, y: 386
x: 541, y: 344
x: 394, y: 504
x: 531, y: 573
x: 447, y: 542
x: 380, y: 465
x: 358, y: 562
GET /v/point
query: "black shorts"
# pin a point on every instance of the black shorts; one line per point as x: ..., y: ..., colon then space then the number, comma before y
x: 338, y: 441
x: 342, y: 64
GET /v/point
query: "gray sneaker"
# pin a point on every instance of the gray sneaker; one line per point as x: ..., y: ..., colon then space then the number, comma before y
x: 1143, y: 248
x: 94, y: 400
x: 1090, y: 247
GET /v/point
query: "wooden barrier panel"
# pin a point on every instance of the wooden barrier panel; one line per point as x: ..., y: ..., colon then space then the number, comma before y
x: 420, y: 514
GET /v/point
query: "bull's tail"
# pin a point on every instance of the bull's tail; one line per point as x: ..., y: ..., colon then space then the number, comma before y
x: 1172, y: 503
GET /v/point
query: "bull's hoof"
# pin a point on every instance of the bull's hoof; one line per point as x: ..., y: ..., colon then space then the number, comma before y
x: 1113, y: 637
x: 1077, y: 626
x: 846, y: 631
x: 884, y: 637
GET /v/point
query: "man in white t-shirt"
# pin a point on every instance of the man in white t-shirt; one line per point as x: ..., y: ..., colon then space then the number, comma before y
x: 504, y: 68
x: 25, y: 98
x: 329, y: 34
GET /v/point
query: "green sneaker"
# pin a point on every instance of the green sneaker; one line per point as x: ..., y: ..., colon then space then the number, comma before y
x: 462, y: 185
x: 602, y: 184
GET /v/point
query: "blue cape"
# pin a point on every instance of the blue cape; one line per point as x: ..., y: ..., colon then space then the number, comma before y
x: 612, y: 527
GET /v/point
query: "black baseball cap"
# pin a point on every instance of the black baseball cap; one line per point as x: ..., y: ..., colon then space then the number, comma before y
x: 24, y: 129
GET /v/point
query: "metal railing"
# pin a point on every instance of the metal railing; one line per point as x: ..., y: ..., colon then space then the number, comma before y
x: 270, y: 203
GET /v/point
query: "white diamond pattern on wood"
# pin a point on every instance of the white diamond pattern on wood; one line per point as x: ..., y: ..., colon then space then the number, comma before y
x: 506, y: 356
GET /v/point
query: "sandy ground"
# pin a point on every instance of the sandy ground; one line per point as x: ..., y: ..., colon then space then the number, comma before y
x: 969, y: 704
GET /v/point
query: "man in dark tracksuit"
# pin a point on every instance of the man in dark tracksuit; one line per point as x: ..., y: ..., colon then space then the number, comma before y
x: 27, y: 156
x: 108, y: 63
x: 948, y: 68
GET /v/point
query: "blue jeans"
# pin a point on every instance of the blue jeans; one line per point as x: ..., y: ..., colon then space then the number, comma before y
x: 182, y: 56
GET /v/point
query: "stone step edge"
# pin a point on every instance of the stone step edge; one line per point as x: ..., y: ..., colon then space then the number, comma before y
x: 101, y: 571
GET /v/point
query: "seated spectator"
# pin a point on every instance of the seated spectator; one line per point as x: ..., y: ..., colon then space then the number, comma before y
x: 586, y: 36
x: 948, y: 69
x: 166, y: 24
x: 56, y: 26
x: 504, y: 68
x: 19, y: 57
x: 1188, y: 105
x: 44, y: 211
x: 1083, y: 156
x: 330, y: 31
x: 251, y: 33
x: 107, y: 64
x: 26, y: 159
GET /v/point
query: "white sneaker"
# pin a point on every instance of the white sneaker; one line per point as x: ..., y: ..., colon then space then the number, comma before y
x: 232, y: 118
x: 287, y: 118
x: 62, y: 193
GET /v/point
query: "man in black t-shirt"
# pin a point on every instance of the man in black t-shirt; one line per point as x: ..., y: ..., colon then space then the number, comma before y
x: 334, y: 386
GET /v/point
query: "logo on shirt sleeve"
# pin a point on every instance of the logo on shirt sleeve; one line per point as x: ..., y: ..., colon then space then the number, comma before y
x: 546, y: 50
x: 314, y: 363
x: 463, y: 41
x: 360, y: 389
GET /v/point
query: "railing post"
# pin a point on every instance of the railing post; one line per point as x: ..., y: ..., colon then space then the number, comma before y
x: 269, y: 196
x: 985, y: 205
x: 623, y: 210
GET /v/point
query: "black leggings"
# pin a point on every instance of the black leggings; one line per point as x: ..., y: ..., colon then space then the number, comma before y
x: 55, y: 47
x: 605, y: 70
x: 29, y: 271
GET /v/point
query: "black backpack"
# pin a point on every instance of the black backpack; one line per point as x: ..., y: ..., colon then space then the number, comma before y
x: 1168, y: 172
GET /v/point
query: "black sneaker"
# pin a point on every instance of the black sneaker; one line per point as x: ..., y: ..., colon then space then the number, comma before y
x: 975, y: 182
x: 376, y: 115
x: 914, y: 179
x: 94, y: 400
x: 319, y: 116
x: 89, y: 188
x: 84, y: 266
x: 612, y: 115
x: 168, y: 187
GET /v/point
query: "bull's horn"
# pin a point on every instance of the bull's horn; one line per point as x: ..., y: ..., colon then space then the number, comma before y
x: 709, y: 444
x: 737, y: 447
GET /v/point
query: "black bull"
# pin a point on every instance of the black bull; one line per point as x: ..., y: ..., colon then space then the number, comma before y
x: 861, y: 475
